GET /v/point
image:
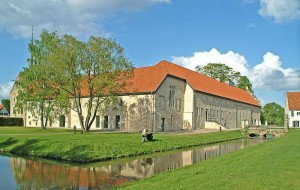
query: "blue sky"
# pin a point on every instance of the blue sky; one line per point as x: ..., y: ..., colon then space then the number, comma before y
x: 259, y: 38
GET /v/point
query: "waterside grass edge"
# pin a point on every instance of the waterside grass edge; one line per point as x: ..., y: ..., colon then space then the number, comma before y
x: 92, y: 147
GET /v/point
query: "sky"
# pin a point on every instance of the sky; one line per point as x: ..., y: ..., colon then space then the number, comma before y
x: 258, y: 38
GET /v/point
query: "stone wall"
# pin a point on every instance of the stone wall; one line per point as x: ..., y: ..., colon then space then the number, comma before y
x: 228, y: 113
x: 169, y: 110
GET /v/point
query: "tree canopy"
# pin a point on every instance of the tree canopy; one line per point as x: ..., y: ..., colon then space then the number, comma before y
x: 273, y: 114
x: 224, y: 73
x: 6, y: 104
x: 66, y: 74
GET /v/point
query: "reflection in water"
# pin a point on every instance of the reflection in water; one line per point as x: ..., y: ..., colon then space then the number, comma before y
x: 32, y: 174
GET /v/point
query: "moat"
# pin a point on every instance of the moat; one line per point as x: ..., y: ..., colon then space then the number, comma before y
x: 34, y: 173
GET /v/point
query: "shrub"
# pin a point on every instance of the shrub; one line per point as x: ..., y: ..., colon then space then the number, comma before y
x: 11, y: 121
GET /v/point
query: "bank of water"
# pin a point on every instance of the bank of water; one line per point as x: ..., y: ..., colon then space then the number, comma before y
x: 33, y: 173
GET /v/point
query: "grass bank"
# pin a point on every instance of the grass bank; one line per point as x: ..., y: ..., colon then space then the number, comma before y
x: 271, y: 165
x: 102, y: 146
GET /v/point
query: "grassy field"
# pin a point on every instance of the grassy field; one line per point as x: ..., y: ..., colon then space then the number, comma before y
x: 271, y: 165
x: 90, y: 147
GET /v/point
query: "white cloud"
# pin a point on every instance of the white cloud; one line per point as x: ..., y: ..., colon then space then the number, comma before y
x: 75, y: 17
x: 271, y: 75
x: 267, y: 75
x: 280, y: 10
x: 233, y: 60
x: 5, y: 90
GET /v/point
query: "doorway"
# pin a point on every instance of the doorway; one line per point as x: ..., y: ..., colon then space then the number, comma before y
x: 105, y: 122
x: 117, y: 124
x: 163, y: 124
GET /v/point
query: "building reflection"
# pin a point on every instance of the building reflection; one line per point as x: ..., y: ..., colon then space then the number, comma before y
x: 37, y: 174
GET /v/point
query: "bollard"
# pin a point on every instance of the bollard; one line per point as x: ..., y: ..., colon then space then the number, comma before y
x: 74, y: 129
x: 220, y: 129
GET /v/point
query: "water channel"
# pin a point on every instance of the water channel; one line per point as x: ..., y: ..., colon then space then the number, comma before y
x: 34, y: 173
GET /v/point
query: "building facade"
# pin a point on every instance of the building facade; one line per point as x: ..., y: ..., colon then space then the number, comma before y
x: 292, y: 109
x: 167, y: 97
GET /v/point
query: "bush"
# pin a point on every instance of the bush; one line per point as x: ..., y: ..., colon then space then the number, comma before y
x: 9, y: 121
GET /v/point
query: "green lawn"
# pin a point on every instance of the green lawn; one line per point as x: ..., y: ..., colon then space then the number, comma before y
x: 100, y: 146
x: 271, y: 165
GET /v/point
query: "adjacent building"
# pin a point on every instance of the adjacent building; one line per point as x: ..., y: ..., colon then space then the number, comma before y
x: 292, y: 109
x: 3, y: 111
x: 167, y: 97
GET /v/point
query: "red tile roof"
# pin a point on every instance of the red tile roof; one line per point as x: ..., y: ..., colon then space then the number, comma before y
x: 148, y: 79
x: 1, y: 106
x: 293, y: 100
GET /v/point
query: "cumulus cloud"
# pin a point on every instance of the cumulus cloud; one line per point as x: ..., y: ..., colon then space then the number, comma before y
x: 5, y: 90
x: 233, y: 60
x: 280, y: 10
x: 269, y: 74
x: 75, y: 17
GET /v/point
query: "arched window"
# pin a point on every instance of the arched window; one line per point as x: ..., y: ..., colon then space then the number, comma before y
x: 172, y: 97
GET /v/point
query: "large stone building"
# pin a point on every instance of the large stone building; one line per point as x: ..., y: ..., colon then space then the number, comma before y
x: 168, y: 97
x: 292, y: 109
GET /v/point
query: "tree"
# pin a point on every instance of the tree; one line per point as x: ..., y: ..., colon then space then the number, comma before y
x: 224, y: 73
x: 6, y: 104
x: 245, y: 84
x: 219, y: 71
x: 273, y: 113
x: 89, y: 75
x: 37, y: 93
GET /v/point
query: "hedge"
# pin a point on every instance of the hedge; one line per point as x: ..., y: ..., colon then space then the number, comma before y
x: 11, y: 121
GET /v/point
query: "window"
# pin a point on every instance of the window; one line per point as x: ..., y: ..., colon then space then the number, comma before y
x: 292, y: 113
x: 222, y: 114
x: 178, y: 104
x: 161, y: 102
x: 206, y: 115
x: 120, y: 102
x: 97, y: 121
x: 172, y: 97
x: 198, y: 112
x: 298, y: 113
x: 172, y: 118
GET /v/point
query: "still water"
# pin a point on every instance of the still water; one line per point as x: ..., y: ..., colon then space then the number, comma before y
x: 33, y: 173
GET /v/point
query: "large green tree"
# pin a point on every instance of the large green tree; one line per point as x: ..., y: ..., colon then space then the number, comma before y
x: 36, y: 92
x: 89, y: 75
x: 66, y: 74
x: 273, y: 114
x: 6, y: 104
x: 224, y: 73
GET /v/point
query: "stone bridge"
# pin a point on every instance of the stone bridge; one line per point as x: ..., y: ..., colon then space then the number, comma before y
x: 263, y: 132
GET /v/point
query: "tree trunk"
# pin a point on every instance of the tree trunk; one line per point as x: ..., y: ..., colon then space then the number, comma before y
x: 42, y: 115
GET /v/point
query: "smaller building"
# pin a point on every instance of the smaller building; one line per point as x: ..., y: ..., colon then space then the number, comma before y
x: 292, y: 109
x: 3, y: 111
